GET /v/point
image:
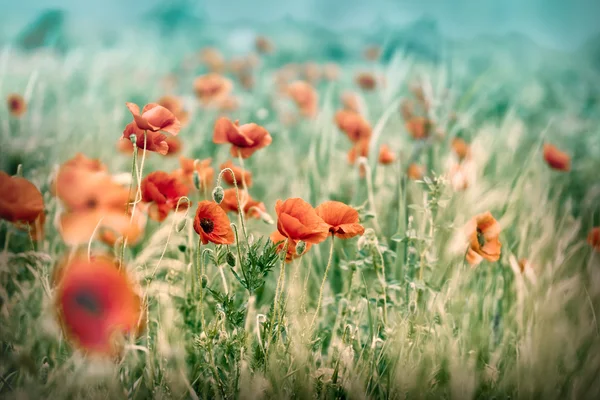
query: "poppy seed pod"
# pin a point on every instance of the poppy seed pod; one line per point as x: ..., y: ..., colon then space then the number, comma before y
x: 204, y: 281
x: 218, y: 194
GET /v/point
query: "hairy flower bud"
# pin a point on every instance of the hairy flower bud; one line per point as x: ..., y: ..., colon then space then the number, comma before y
x: 218, y: 194
x: 133, y: 138
x: 204, y: 281
x: 300, y: 247
x: 230, y: 259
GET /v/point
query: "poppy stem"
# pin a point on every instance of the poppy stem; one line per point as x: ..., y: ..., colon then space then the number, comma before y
x: 278, y: 288
x: 199, y: 272
x: 237, y: 197
x: 239, y: 251
x: 314, y: 319
x: 362, y: 161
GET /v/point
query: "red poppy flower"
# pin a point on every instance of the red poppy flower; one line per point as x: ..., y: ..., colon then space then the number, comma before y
x: 82, y: 162
x: 419, y: 127
x: 350, y: 101
x: 407, y: 110
x: 331, y: 72
x: 386, y: 155
x: 297, y: 220
x: 244, y: 139
x: 175, y: 105
x: 372, y: 53
x: 311, y: 72
x: 153, y: 141
x: 291, y: 254
x: 93, y: 201
x: 212, y: 224
x: 240, y: 174
x: 211, y: 88
x: 264, y: 45
x: 483, y: 232
x: 342, y: 219
x: 353, y: 125
x: 556, y: 159
x: 202, y: 167
x: 21, y: 203
x: 96, y: 303
x: 252, y: 208
x: 460, y: 148
x: 16, y: 105
x: 213, y: 59
x: 366, y: 81
x: 164, y: 191
x: 594, y: 238
x: 305, y: 96
x: 154, y: 118
x: 415, y: 171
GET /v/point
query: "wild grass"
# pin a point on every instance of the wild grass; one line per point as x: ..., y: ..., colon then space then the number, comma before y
x: 402, y: 316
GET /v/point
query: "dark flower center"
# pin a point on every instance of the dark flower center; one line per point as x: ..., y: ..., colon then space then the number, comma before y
x: 207, y: 225
x: 480, y: 238
x: 91, y: 203
x: 87, y: 301
x: 14, y: 104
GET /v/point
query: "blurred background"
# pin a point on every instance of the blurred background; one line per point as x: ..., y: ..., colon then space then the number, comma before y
x: 554, y: 24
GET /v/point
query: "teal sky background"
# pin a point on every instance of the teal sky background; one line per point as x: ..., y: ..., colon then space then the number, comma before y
x: 552, y: 23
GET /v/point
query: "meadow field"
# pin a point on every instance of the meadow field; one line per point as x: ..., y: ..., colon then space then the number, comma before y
x: 398, y: 227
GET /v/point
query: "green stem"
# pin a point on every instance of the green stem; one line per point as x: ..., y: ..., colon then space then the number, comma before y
x: 239, y: 251
x: 200, y: 271
x: 276, y: 298
x: 314, y: 319
x: 237, y: 197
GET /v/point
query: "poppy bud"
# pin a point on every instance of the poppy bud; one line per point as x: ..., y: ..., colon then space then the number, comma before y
x: 44, y: 371
x: 133, y: 138
x: 230, y: 259
x: 300, y: 247
x: 218, y: 194
x: 196, y: 178
x: 204, y: 281
x: 181, y: 225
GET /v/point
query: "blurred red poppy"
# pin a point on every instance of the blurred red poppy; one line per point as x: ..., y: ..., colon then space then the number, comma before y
x: 16, y: 105
x: 96, y: 303
x: 163, y: 190
x: 244, y: 139
x: 297, y: 220
x: 342, y: 219
x: 241, y: 175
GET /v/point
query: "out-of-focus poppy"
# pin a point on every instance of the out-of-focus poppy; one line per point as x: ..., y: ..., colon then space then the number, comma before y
x: 175, y: 105
x: 82, y: 162
x: 212, y: 224
x: 593, y: 238
x: 386, y: 155
x: 154, y: 118
x: 311, y: 72
x: 96, y: 303
x: 351, y: 102
x: 360, y: 149
x: 483, y: 232
x: 353, y: 125
x: 264, y: 45
x: 244, y: 139
x: 252, y: 208
x: 212, y: 88
x: 93, y: 201
x: 342, y: 219
x: 372, y: 53
x: 163, y: 190
x: 291, y: 254
x: 298, y: 220
x: 305, y: 96
x: 407, y: 110
x: 415, y: 171
x: 366, y: 81
x: 331, y: 72
x: 556, y: 159
x: 22, y: 203
x: 16, y: 105
x: 241, y: 175
x: 205, y: 172
x: 212, y: 59
x: 419, y: 127
x: 460, y: 148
